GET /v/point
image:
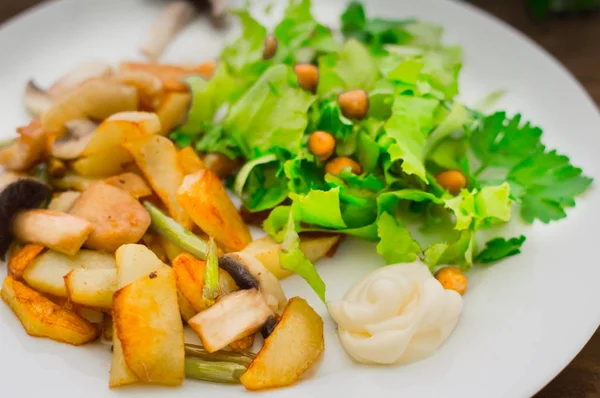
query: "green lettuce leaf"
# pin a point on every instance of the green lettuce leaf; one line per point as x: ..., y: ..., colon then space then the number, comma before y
x: 483, y: 209
x: 319, y: 208
x: 396, y: 244
x: 271, y: 114
x: 459, y: 252
x: 500, y: 248
x: 292, y: 258
x: 260, y: 185
x: 245, y: 55
x: 412, y: 119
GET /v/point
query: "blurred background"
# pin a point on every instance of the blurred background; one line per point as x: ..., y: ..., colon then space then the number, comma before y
x: 570, y: 31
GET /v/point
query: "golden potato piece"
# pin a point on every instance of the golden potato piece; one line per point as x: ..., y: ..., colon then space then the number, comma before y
x: 189, y: 275
x: 156, y: 156
x: 46, y: 273
x: 42, y: 318
x: 173, y: 111
x: 134, y: 262
x: 21, y: 259
x: 295, y: 344
x: 103, y: 164
x: 121, y: 128
x: 91, y: 287
x: 120, y: 374
x: 243, y: 344
x: 189, y: 160
x: 186, y: 309
x: 148, y: 324
x: 94, y: 99
x: 150, y: 88
x: 27, y: 150
x: 204, y: 198
x: 267, y: 251
x: 73, y: 181
x: 170, y: 248
x: 131, y: 183
x: 79, y: 74
x: 117, y: 217
x: 62, y: 232
x: 90, y: 259
x: 170, y: 75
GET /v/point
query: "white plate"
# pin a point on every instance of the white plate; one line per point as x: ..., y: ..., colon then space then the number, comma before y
x: 524, y: 319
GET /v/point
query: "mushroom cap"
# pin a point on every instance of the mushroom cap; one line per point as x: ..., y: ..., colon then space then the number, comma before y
x: 20, y: 195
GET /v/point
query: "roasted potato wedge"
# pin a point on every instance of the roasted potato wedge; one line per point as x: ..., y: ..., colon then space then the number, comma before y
x: 22, y: 258
x: 46, y: 273
x: 42, y: 318
x: 148, y: 324
x: 295, y: 344
x: 131, y: 183
x: 204, y: 198
x: 150, y: 88
x: 267, y: 251
x: 186, y: 309
x: 134, y: 262
x: 120, y: 374
x: 72, y: 181
x: 118, y: 218
x: 62, y: 232
x: 91, y: 315
x: 91, y: 287
x: 231, y: 318
x: 189, y: 160
x: 170, y: 75
x: 94, y: 99
x: 156, y: 156
x: 103, y: 164
x: 91, y: 259
x: 189, y: 274
x: 63, y: 201
x: 173, y: 111
x: 121, y: 128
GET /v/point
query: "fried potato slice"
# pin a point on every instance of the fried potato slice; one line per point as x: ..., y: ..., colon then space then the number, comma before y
x: 204, y: 198
x: 118, y: 218
x: 173, y: 111
x: 91, y: 287
x: 131, y: 183
x: 103, y: 164
x: 63, y: 201
x: 134, y: 262
x: 120, y: 374
x: 267, y: 251
x: 295, y: 344
x: 156, y: 156
x: 94, y: 99
x: 189, y: 160
x: 186, y: 309
x: 46, y: 273
x: 170, y: 75
x: 148, y: 324
x: 121, y: 128
x: 22, y: 258
x: 43, y: 318
x: 73, y: 181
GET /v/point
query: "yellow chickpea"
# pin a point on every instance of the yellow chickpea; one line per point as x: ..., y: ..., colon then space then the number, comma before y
x: 321, y: 144
x: 335, y: 166
x: 452, y: 181
x: 308, y: 76
x: 270, y: 47
x: 452, y: 279
x: 354, y: 104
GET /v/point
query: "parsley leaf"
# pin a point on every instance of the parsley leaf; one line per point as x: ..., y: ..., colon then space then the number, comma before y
x: 546, y: 183
x: 499, y: 248
x: 502, y: 142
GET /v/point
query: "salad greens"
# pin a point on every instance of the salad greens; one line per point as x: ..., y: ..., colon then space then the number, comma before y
x: 253, y: 108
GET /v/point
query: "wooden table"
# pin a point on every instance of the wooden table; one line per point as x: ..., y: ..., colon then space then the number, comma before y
x: 575, y: 41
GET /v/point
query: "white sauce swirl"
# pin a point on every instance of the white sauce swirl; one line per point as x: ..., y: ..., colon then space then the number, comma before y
x: 397, y: 314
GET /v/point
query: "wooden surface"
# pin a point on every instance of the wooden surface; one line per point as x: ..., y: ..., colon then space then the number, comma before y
x: 575, y: 41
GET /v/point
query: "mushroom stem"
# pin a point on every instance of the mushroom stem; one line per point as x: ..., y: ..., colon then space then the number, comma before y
x: 173, y: 19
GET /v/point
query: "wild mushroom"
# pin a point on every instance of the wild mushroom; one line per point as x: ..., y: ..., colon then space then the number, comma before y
x: 175, y: 16
x: 249, y: 273
x: 23, y: 194
x: 36, y: 100
x: 79, y: 133
x: 234, y: 316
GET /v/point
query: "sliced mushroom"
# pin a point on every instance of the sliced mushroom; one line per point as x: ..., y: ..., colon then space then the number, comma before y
x: 233, y: 317
x: 36, y: 100
x: 79, y: 133
x: 268, y: 327
x: 23, y: 194
x: 78, y: 75
x: 175, y: 16
x: 248, y: 272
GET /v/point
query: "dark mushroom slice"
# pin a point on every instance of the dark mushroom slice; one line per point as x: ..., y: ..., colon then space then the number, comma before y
x: 248, y: 273
x: 79, y: 133
x: 36, y: 100
x: 23, y: 194
x: 268, y: 327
